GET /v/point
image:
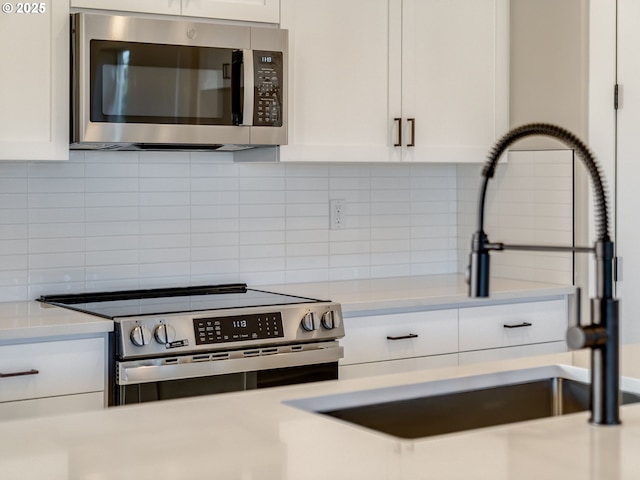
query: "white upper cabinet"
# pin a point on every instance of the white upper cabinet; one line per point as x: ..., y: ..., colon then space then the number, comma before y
x: 389, y: 80
x: 455, y: 78
x: 34, y: 84
x: 247, y: 10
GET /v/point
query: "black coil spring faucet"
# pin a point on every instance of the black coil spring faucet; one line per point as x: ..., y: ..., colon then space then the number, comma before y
x: 602, y: 335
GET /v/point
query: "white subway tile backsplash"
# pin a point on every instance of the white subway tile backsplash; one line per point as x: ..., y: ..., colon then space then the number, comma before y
x: 11, y: 216
x: 13, y: 200
x: 388, y: 270
x: 14, y: 262
x: 56, y: 260
x: 112, y: 185
x: 112, y: 257
x: 47, y: 215
x: 530, y: 201
x: 113, y: 220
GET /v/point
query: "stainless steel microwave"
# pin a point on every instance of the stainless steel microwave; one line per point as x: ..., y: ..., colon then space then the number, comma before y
x: 145, y: 83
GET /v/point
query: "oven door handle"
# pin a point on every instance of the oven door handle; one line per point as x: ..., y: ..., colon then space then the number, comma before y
x: 145, y: 371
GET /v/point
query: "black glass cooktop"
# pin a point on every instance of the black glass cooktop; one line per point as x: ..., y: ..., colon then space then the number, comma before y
x: 161, y: 301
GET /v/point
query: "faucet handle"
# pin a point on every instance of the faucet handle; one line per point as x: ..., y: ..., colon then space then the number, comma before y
x: 579, y: 337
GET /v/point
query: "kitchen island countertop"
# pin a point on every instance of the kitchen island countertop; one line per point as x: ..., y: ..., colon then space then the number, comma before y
x: 254, y: 435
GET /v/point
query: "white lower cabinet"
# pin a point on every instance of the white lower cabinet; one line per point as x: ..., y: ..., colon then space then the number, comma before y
x: 379, y: 344
x: 51, y: 377
x: 392, y: 343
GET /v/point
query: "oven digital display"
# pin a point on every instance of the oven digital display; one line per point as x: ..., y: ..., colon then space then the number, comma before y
x: 238, y: 328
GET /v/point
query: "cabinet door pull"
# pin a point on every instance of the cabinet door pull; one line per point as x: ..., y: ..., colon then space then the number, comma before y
x: 402, y: 337
x: 399, y: 122
x: 412, y: 121
x: 33, y: 371
x: 517, y: 325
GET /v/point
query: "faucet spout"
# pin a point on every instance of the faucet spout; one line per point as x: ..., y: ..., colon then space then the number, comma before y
x: 602, y: 335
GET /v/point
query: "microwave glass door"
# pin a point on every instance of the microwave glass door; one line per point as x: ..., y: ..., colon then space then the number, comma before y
x: 160, y: 84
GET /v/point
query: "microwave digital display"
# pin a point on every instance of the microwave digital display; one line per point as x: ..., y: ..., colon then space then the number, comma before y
x: 267, y: 109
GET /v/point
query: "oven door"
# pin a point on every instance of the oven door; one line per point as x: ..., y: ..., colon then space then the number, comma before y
x: 148, y: 380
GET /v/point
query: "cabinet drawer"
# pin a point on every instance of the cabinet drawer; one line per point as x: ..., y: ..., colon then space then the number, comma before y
x: 402, y: 365
x: 54, y: 368
x: 513, y: 324
x: 507, y: 353
x: 41, y: 407
x: 405, y: 335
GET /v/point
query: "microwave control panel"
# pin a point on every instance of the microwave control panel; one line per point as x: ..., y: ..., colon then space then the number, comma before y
x: 268, y: 77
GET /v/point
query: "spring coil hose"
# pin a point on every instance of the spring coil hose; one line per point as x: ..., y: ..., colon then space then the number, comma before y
x: 571, y: 141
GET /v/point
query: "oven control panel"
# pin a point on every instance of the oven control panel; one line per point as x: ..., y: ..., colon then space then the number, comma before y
x: 184, y: 333
x: 238, y: 327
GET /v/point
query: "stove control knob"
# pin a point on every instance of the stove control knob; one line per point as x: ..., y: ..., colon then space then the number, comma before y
x: 309, y: 322
x: 140, y: 336
x: 165, y: 333
x: 328, y: 320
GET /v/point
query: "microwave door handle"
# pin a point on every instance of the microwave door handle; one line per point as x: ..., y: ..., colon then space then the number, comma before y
x: 236, y: 87
x: 249, y: 90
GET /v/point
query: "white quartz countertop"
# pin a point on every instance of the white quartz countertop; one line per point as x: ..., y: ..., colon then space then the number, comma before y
x: 254, y: 435
x: 360, y: 297
x: 29, y: 320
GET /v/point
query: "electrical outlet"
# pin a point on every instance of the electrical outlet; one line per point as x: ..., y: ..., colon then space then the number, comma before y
x: 337, y: 213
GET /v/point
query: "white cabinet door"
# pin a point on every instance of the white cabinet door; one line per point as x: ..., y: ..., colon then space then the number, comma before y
x: 343, y: 80
x: 247, y: 10
x: 390, y: 80
x: 34, y: 84
x: 170, y: 7
x: 454, y: 78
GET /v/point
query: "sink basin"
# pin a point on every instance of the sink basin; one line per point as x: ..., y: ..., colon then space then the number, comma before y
x: 460, y: 404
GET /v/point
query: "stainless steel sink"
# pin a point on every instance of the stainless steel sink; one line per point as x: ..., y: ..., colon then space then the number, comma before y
x: 455, y: 412
x: 446, y: 406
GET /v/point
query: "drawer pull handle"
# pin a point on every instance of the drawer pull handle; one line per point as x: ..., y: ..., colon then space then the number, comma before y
x: 518, y: 325
x: 402, y: 337
x: 20, y: 374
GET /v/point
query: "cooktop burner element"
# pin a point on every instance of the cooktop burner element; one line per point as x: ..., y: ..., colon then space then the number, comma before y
x: 178, y: 321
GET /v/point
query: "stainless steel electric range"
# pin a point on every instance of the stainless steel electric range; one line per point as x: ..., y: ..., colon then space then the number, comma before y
x: 179, y: 342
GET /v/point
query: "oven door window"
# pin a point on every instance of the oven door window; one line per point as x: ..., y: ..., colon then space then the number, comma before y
x: 160, y: 84
x: 234, y: 382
